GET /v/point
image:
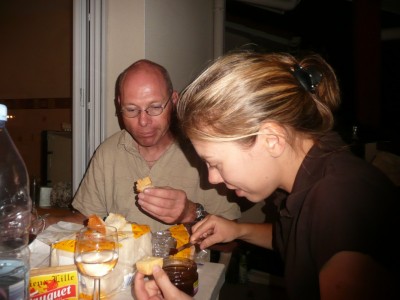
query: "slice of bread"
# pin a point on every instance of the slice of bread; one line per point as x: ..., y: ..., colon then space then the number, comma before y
x: 96, y: 223
x: 146, y: 264
x: 143, y: 183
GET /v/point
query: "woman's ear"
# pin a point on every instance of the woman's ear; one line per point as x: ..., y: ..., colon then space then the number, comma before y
x: 274, y: 137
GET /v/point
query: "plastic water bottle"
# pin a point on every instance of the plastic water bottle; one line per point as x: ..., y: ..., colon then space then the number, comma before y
x: 14, y: 274
x: 15, y: 218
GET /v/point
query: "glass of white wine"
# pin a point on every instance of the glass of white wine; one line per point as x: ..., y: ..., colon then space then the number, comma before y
x: 96, y: 253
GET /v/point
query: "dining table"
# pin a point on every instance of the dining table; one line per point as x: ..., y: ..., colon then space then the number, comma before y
x: 211, y: 275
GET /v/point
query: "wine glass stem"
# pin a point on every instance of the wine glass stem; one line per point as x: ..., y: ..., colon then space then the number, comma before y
x: 96, y: 289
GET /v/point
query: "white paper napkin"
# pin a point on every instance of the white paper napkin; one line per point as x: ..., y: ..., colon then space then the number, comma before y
x: 40, y: 247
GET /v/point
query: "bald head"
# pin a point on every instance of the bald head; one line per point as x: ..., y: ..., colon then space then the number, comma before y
x: 149, y: 67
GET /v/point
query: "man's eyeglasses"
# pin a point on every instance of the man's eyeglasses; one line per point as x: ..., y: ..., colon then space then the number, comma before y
x: 153, y: 111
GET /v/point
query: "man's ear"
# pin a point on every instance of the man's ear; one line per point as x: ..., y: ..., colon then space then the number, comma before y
x: 175, y: 97
x: 274, y: 137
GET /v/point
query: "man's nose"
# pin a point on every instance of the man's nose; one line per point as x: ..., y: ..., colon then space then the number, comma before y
x: 144, y: 118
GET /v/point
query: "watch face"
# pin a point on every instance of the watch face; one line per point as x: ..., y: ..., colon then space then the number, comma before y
x: 200, y: 212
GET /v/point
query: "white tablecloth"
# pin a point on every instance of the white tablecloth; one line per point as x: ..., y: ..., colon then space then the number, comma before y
x: 211, y: 279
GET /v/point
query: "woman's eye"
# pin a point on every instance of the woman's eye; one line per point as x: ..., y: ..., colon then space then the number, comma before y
x: 209, y: 166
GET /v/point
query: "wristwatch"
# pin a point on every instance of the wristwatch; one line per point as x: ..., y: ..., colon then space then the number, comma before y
x: 200, y: 212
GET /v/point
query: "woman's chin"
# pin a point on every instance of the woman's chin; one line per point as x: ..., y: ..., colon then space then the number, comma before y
x: 250, y: 197
x: 241, y: 193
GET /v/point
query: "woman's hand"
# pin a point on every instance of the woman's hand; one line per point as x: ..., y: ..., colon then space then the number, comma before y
x: 213, y: 229
x: 159, y: 288
x: 146, y: 290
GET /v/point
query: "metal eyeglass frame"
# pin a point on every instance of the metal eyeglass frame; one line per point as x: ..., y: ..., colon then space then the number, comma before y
x: 137, y: 112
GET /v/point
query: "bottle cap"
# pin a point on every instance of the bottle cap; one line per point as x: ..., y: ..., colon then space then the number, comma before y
x: 3, y: 112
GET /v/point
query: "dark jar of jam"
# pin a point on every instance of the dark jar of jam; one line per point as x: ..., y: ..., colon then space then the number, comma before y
x: 183, y: 274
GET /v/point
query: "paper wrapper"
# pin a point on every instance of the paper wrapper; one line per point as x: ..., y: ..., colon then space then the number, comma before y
x: 52, y: 282
x: 135, y: 243
x: 40, y: 247
x: 173, y: 237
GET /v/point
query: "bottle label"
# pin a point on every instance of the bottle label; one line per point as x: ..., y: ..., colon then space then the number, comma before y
x: 14, y: 278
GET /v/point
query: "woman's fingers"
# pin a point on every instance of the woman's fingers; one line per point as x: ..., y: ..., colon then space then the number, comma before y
x: 169, y: 291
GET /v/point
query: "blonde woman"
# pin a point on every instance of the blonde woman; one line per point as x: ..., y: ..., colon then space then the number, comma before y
x: 263, y: 122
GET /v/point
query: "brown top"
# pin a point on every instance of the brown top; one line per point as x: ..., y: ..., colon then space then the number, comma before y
x: 108, y: 185
x: 339, y: 203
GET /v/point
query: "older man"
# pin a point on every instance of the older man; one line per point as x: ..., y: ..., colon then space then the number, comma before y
x: 148, y: 146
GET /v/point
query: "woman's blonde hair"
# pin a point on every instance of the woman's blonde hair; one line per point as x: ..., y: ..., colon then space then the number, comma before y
x: 239, y: 91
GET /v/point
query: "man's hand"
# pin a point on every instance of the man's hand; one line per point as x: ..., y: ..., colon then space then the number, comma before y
x: 167, y: 204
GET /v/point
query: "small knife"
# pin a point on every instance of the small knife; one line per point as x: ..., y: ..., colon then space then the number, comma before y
x: 174, y: 251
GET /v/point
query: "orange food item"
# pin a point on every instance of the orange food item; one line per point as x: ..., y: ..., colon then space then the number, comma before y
x: 95, y: 222
x: 143, y: 183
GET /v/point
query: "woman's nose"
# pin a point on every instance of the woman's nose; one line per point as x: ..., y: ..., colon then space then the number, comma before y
x: 214, y: 177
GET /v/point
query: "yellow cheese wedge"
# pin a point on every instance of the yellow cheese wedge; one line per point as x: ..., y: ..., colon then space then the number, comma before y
x: 181, y: 235
x: 139, y: 230
x: 66, y: 245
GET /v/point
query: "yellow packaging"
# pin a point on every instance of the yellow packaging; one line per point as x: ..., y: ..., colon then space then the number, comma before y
x: 54, y: 283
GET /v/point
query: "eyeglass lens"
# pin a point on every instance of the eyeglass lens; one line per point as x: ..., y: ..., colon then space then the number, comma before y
x: 151, y: 111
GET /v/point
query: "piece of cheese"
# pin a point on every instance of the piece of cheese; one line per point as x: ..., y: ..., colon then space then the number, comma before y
x: 181, y: 235
x: 134, y: 244
x: 146, y: 264
x: 116, y: 220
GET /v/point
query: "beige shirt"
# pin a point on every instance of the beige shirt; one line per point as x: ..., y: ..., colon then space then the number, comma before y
x: 108, y: 185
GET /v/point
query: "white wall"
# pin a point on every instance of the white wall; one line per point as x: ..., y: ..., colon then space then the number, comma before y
x: 124, y: 45
x: 177, y: 34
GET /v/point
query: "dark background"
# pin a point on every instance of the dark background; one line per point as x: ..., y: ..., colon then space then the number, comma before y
x: 350, y: 35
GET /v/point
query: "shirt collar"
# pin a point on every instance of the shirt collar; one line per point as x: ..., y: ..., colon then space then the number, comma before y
x: 311, y: 170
